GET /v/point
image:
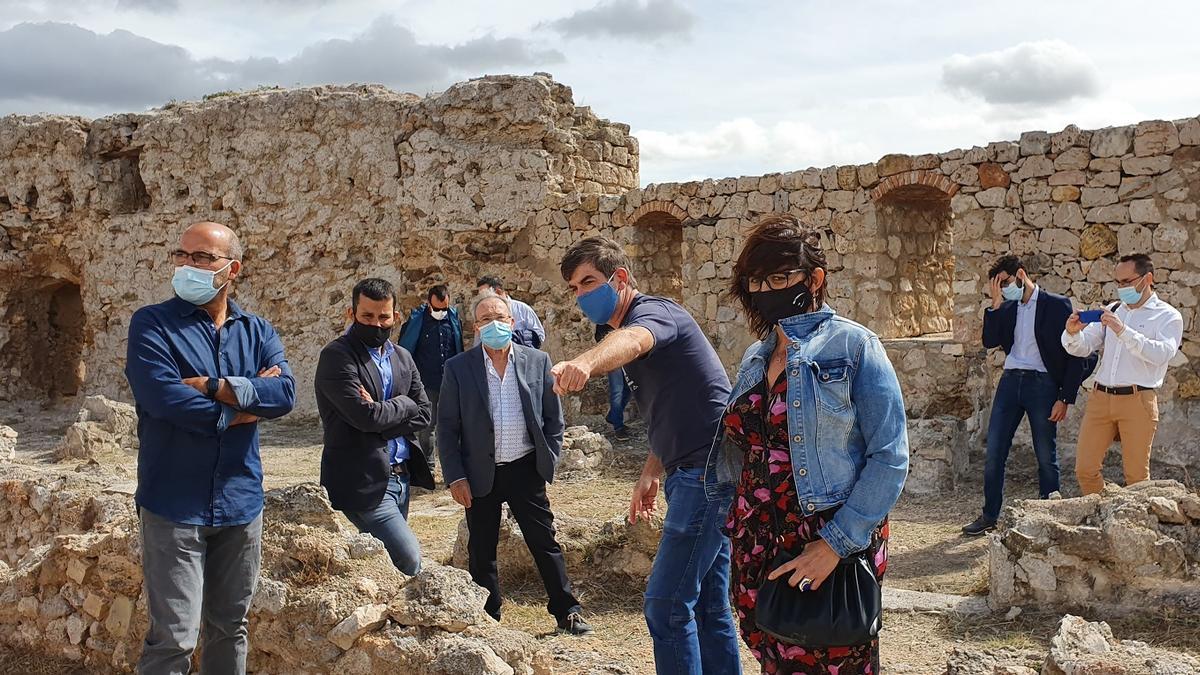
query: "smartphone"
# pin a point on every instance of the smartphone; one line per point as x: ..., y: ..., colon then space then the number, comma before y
x: 1090, y: 315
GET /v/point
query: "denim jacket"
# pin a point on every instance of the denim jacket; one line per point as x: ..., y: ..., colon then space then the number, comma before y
x: 849, y: 436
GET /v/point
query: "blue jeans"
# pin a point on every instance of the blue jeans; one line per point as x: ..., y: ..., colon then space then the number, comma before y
x: 618, y: 398
x: 687, y: 595
x: 388, y: 522
x: 1021, y: 393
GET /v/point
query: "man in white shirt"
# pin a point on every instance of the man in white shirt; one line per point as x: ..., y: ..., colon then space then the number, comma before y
x: 499, y: 434
x: 1139, y: 335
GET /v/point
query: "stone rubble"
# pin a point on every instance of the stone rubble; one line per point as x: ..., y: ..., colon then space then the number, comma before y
x: 1123, y: 550
x: 1079, y: 648
x: 582, y: 451
x: 70, y: 587
x: 594, y: 548
x: 104, y: 427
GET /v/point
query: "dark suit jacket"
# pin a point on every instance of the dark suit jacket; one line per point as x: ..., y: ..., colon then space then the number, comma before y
x: 465, y: 437
x: 355, y: 466
x: 1049, y: 320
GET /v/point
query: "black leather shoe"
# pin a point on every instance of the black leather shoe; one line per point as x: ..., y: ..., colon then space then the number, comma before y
x: 622, y: 434
x: 982, y: 524
x: 574, y: 625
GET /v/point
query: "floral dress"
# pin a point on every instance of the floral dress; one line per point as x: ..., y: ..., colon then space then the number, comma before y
x: 758, y: 424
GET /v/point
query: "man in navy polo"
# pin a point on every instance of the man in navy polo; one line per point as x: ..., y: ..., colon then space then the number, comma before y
x: 203, y: 372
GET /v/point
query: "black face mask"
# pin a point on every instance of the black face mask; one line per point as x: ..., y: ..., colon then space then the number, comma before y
x: 371, y: 336
x: 776, y: 305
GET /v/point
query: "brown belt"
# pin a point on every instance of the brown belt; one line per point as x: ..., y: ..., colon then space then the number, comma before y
x: 400, y: 469
x: 1122, y: 391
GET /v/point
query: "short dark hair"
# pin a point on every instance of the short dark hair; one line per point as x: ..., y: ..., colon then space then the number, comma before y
x: 603, y: 253
x: 778, y: 242
x: 1141, y: 263
x: 493, y: 282
x: 1008, y: 264
x: 375, y: 289
x: 440, y: 292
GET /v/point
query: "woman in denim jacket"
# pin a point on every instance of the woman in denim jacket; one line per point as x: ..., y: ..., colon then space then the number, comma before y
x: 814, y: 440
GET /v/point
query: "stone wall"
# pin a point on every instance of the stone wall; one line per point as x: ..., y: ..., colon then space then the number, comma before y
x: 910, y: 240
x: 325, y: 185
x: 501, y: 175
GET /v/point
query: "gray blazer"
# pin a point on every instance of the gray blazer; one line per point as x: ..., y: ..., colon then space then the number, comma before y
x: 465, y: 437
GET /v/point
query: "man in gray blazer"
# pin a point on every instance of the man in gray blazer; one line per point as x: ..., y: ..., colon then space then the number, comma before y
x: 499, y: 433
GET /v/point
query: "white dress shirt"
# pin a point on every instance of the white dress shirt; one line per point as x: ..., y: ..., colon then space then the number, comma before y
x: 508, y: 417
x: 1139, y: 355
x: 1025, y: 354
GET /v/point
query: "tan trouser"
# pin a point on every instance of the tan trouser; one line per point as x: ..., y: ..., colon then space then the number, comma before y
x: 1134, y: 417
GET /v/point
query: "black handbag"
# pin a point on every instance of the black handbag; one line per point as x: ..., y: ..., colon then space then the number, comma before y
x: 846, y: 610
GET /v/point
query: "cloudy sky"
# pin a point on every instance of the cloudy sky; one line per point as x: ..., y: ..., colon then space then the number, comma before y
x: 710, y: 88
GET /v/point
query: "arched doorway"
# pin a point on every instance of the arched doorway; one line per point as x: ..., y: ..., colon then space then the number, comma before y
x: 912, y: 210
x: 44, y: 350
x: 656, y: 246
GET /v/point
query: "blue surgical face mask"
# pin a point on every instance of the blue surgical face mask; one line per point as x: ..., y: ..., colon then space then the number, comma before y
x: 496, y: 335
x: 1129, y: 295
x: 599, y: 303
x: 196, y: 285
x: 1013, y: 291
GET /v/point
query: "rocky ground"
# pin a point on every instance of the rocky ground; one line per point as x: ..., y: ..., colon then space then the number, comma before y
x: 927, y: 554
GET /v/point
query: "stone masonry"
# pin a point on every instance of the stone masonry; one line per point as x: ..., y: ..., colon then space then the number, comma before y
x: 328, y: 600
x: 330, y: 184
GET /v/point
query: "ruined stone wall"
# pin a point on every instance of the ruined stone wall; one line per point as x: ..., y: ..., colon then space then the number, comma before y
x: 1123, y: 550
x: 325, y: 186
x: 502, y: 174
x: 910, y: 240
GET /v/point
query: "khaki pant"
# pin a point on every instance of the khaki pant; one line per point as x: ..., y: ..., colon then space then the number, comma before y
x: 1135, y: 418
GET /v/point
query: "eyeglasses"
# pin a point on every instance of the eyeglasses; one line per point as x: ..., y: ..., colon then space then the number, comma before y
x: 774, y: 281
x: 199, y: 258
x: 484, y: 320
x: 1129, y: 282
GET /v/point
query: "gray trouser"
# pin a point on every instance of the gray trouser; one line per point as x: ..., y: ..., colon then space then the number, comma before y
x: 196, y: 574
x: 425, y: 436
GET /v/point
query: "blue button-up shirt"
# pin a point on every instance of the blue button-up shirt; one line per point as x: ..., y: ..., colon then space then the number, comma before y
x: 397, y: 447
x: 193, y: 468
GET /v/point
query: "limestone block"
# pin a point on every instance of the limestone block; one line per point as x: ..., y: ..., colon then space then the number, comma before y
x: 1034, y: 143
x: 1155, y: 138
x: 1112, y: 141
x: 362, y: 620
x: 1097, y: 241
x: 1144, y: 211
x: 1098, y: 197
x: 1146, y: 166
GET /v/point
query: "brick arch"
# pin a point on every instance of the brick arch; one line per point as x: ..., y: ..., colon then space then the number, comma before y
x: 915, y: 186
x: 654, y: 212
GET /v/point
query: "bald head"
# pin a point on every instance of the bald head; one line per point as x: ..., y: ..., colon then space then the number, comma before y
x: 213, y: 238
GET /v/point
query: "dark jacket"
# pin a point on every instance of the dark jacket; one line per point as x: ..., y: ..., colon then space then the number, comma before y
x: 355, y: 466
x: 1068, y: 372
x: 410, y: 332
x: 465, y: 437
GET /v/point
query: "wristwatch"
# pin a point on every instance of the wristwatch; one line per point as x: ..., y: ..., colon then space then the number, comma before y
x: 211, y: 387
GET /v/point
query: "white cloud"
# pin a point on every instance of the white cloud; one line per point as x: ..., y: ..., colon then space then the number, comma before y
x: 63, y: 62
x: 629, y: 19
x: 743, y: 145
x: 1028, y: 73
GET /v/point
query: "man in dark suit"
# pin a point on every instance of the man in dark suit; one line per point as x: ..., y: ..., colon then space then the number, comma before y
x: 372, y: 404
x: 1040, y: 379
x: 499, y: 433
